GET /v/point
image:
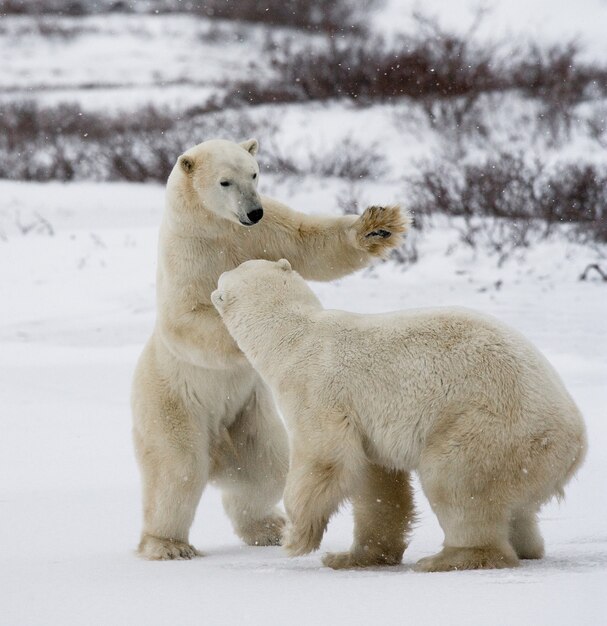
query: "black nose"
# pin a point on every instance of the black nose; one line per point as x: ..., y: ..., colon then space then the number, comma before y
x: 255, y: 215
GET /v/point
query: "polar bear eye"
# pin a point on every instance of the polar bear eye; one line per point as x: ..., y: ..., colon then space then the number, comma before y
x: 255, y: 176
x: 225, y: 183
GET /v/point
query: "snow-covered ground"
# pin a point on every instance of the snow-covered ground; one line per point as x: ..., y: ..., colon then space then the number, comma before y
x: 75, y: 309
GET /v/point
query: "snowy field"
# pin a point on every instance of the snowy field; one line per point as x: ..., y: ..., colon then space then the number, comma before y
x: 77, y: 303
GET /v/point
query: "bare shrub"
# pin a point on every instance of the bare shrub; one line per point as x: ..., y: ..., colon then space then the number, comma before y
x: 574, y: 193
x: 498, y: 236
x: 596, y: 269
x: 555, y: 76
x: 130, y: 162
x: 13, y: 7
x: 408, y: 252
x: 329, y: 16
x: 554, y: 73
x: 27, y: 120
x: 346, y: 159
x: 502, y: 187
x: 349, y: 159
x: 47, y: 7
x: 350, y: 199
x: 233, y: 125
x: 597, y: 126
x: 276, y: 159
x: 453, y: 113
x: 515, y: 193
x: 53, y: 28
x: 577, y: 194
x: 45, y: 26
x: 34, y: 224
x: 434, y: 66
x: 63, y: 143
x: 368, y: 69
x: 24, y: 223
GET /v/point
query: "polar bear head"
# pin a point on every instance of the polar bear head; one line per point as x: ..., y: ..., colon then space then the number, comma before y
x: 266, y: 307
x: 260, y: 290
x: 218, y: 176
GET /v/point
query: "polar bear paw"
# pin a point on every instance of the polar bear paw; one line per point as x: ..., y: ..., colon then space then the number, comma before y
x: 452, y: 559
x: 163, y: 549
x: 379, y: 228
x: 360, y: 558
x: 264, y: 532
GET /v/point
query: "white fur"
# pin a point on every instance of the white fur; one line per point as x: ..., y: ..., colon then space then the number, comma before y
x: 200, y: 411
x: 457, y: 396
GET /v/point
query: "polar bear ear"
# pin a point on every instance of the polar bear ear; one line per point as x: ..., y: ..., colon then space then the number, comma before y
x: 218, y: 299
x: 251, y: 146
x: 186, y: 163
x: 284, y: 265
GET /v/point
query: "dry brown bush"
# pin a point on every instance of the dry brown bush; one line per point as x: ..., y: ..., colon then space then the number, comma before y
x: 515, y: 194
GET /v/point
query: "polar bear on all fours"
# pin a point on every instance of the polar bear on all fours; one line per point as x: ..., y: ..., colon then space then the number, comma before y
x: 465, y: 401
x: 200, y: 411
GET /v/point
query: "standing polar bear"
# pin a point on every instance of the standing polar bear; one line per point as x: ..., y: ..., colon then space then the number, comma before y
x: 200, y: 410
x: 467, y: 402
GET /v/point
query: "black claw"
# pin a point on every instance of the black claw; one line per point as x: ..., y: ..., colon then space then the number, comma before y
x: 384, y: 234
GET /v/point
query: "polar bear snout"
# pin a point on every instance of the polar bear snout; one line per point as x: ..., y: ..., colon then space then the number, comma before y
x: 252, y: 217
x: 255, y: 215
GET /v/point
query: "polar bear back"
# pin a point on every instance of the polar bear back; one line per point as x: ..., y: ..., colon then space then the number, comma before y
x: 402, y: 372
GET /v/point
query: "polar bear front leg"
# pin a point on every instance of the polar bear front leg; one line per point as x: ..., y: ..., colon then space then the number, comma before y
x: 316, y: 486
x: 310, y: 501
x: 325, y: 248
x: 252, y: 475
x: 380, y: 229
x: 383, y: 515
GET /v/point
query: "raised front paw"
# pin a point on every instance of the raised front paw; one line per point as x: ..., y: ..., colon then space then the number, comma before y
x: 379, y: 228
x: 299, y: 539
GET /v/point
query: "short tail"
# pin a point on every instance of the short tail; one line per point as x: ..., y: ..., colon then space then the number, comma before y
x: 579, y: 455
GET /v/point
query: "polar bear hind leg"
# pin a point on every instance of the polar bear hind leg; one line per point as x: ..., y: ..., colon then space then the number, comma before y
x: 476, y: 537
x: 252, y: 474
x: 383, y: 515
x: 467, y: 479
x: 525, y: 535
x: 174, y: 477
